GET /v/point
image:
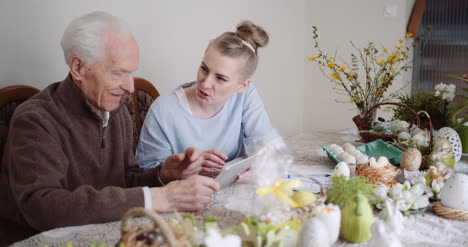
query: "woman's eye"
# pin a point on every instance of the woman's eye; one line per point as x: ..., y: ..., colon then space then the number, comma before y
x: 219, y: 78
x: 204, y: 68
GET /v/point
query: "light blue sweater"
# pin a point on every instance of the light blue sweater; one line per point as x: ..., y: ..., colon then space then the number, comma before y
x: 169, y: 128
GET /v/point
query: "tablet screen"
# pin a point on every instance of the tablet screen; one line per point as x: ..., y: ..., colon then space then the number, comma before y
x: 232, y: 169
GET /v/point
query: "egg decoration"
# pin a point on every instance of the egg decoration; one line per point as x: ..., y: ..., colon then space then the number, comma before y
x: 454, y: 139
x: 343, y: 155
x: 313, y: 234
x: 347, y: 145
x: 383, y: 161
x: 330, y: 215
x: 377, y: 164
x: 362, y: 159
x: 454, y: 195
x: 404, y: 136
x: 350, y: 159
x: 411, y: 159
x: 342, y: 168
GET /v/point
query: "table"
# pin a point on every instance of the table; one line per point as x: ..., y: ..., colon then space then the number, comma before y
x: 425, y: 229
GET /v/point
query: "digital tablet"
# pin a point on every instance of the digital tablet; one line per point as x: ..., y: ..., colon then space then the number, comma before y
x: 233, y: 168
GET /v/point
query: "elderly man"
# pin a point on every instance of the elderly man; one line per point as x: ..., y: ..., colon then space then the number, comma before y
x: 68, y: 158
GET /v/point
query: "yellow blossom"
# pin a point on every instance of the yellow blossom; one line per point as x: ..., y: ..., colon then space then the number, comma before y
x: 409, y: 35
x: 405, y: 56
x: 385, y: 50
x: 335, y: 76
x: 331, y: 58
x: 400, y: 40
x: 349, y: 78
x: 378, y: 93
x: 381, y: 62
x: 399, y: 46
x: 342, y: 68
x: 331, y: 65
x: 392, y: 69
x: 312, y: 58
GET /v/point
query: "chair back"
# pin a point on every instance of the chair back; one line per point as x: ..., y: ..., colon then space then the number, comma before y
x: 10, y: 98
x: 138, y: 105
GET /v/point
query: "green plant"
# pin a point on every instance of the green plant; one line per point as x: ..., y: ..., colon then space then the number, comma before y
x: 462, y: 108
x: 438, y: 109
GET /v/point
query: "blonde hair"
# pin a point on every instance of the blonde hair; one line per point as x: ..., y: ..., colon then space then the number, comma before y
x: 231, y: 44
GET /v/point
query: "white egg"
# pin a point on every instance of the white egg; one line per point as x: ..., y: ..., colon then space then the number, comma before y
x: 337, y: 150
x: 344, y: 146
x: 342, y: 168
x: 350, y: 149
x: 363, y: 159
x: 332, y: 146
x: 454, y: 194
x: 356, y: 153
x: 350, y: 159
x: 343, y: 155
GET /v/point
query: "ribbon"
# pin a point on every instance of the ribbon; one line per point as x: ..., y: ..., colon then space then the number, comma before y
x: 283, y: 190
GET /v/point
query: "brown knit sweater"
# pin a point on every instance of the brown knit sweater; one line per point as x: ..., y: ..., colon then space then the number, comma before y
x: 62, y: 168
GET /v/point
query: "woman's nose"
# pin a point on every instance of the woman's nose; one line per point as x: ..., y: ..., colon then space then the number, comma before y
x: 205, y: 82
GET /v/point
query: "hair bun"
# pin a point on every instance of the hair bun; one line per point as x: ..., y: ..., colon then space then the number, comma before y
x: 253, y: 34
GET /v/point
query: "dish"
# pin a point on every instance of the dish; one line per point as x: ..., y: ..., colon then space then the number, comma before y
x: 376, y: 149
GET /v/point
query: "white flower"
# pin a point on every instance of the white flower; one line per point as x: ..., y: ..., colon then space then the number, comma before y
x: 420, y: 202
x: 447, y: 92
x: 214, y: 239
x: 381, y: 193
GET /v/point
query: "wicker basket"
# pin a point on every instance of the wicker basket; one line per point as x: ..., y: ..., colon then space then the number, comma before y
x: 449, y: 213
x: 159, y: 234
x: 307, y: 211
x: 364, y: 126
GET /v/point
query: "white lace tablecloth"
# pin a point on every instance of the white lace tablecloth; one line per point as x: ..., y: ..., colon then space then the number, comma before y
x: 425, y: 229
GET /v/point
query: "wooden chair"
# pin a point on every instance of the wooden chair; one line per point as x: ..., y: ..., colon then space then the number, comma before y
x: 138, y: 105
x: 10, y: 98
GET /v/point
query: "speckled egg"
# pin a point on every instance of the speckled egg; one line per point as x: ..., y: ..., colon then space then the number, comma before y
x: 411, y: 159
x: 454, y: 194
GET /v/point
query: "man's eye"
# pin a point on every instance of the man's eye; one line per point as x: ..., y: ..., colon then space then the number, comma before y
x: 220, y: 78
x: 204, y: 68
x: 118, y: 75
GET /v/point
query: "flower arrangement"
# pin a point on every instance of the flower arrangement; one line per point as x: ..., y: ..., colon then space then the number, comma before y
x: 438, y: 103
x: 380, y: 67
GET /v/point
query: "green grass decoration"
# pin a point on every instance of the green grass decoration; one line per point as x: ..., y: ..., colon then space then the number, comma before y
x: 343, y: 190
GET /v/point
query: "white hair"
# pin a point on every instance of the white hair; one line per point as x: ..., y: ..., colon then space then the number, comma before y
x: 84, y: 36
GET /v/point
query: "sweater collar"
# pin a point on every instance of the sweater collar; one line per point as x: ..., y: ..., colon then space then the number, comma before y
x: 72, y: 96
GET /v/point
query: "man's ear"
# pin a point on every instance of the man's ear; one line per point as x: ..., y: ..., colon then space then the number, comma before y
x: 243, y: 86
x: 77, y: 68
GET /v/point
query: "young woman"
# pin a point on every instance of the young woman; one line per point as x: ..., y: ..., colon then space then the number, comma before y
x: 218, y: 113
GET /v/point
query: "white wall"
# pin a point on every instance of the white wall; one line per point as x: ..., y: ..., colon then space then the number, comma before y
x: 338, y: 22
x: 172, y: 34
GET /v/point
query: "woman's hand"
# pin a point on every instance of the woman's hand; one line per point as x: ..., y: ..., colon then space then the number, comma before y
x: 213, y: 162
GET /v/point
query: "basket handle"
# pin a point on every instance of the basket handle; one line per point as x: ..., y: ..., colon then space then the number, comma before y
x: 157, y: 221
x: 416, y: 115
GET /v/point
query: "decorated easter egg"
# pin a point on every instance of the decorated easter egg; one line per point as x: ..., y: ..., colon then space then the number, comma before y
x: 454, y: 139
x: 411, y: 159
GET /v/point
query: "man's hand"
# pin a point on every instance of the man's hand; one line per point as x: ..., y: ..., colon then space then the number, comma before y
x: 214, y: 161
x: 181, y: 165
x: 185, y: 195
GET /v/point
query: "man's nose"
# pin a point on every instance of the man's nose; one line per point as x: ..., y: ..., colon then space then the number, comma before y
x: 129, y: 84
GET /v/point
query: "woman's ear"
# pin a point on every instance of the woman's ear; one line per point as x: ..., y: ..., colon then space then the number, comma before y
x: 76, y: 68
x: 243, y: 86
